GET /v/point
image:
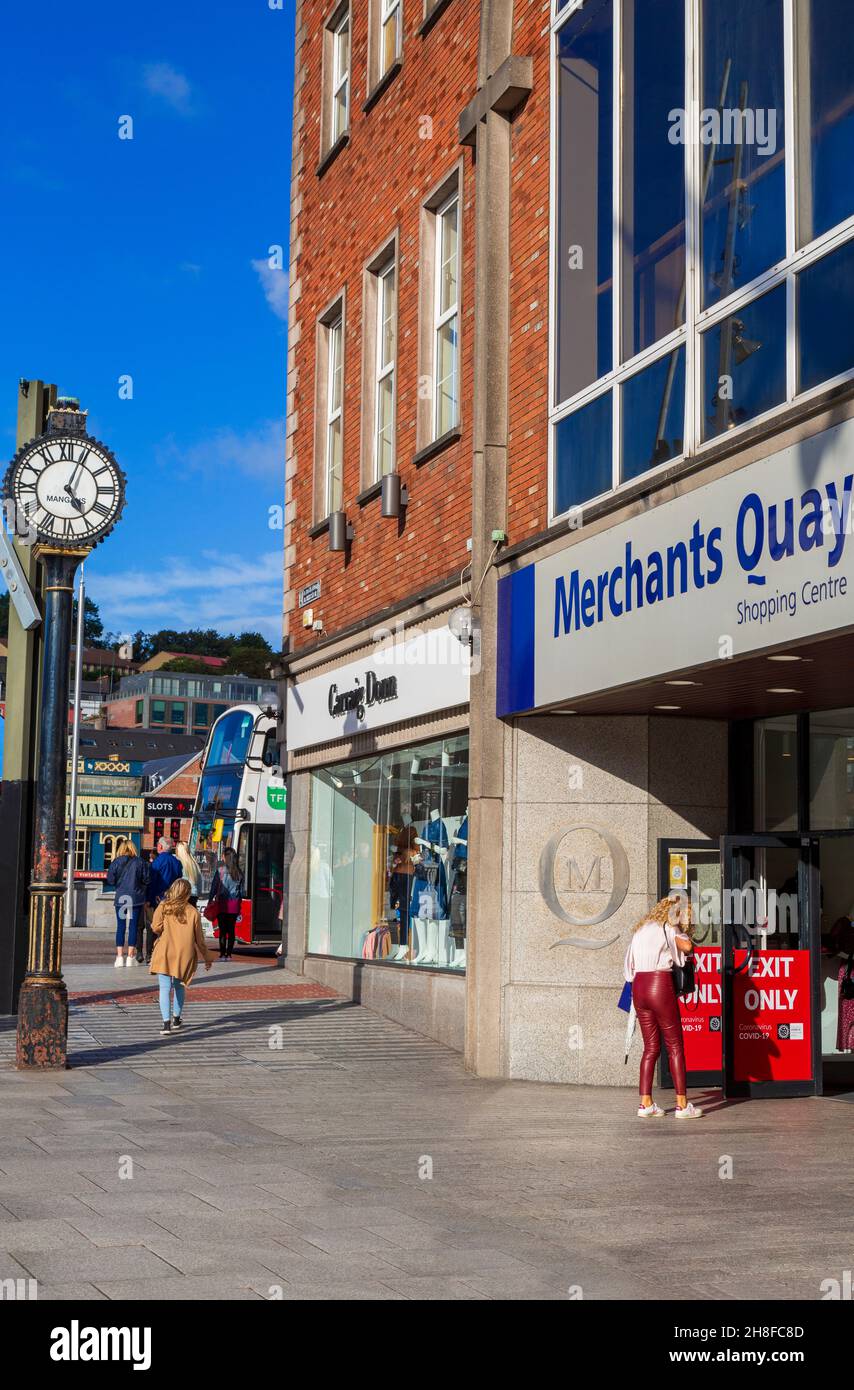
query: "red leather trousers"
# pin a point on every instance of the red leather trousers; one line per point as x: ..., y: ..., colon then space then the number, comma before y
x: 657, y: 1009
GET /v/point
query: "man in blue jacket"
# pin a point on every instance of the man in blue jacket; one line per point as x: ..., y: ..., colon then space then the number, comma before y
x: 163, y: 872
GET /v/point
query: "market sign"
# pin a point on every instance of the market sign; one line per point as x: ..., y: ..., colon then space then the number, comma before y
x: 759, y: 558
x: 103, y: 811
x: 400, y: 679
x: 105, y: 767
x: 169, y: 805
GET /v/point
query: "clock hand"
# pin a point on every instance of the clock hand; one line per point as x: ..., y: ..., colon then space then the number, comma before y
x: 75, y: 501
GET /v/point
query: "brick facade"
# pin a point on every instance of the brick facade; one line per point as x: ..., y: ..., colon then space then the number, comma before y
x: 527, y: 484
x: 398, y: 151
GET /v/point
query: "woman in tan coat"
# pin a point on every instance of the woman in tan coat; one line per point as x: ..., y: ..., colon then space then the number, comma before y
x: 180, y: 946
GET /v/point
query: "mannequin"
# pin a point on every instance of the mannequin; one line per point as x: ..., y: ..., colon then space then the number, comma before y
x: 400, y: 882
x: 458, y: 894
x: 429, y: 903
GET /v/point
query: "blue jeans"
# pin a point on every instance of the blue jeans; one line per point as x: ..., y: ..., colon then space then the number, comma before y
x: 167, y: 984
x: 127, y: 917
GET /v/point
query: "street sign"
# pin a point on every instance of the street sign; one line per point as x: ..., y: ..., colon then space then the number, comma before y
x: 16, y: 582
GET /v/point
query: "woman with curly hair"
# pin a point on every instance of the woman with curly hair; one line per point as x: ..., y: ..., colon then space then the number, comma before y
x: 661, y: 939
x: 180, y: 946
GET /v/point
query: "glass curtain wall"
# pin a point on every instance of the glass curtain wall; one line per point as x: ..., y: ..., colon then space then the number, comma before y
x: 703, y: 228
x: 388, y: 858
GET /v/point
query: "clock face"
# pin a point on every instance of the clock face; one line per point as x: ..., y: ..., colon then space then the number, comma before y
x: 69, y: 488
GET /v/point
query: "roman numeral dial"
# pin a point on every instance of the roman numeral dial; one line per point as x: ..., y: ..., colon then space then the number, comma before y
x: 68, y: 490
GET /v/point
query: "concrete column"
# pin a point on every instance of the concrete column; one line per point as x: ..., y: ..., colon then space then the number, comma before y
x: 297, y: 851
x: 485, y: 968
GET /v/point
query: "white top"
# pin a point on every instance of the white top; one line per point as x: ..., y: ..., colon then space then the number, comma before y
x: 650, y: 949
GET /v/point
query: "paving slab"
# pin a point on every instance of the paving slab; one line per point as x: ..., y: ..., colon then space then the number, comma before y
x: 255, y: 1168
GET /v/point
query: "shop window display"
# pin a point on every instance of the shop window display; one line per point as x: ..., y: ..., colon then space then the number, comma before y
x: 389, y: 857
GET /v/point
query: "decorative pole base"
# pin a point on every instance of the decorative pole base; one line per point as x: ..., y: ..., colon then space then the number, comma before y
x: 42, y: 1025
x: 43, y: 1001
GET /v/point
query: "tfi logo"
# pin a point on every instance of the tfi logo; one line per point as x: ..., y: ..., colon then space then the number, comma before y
x: 591, y: 855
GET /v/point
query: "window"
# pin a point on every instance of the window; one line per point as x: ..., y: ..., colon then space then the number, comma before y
x: 138, y: 711
x: 177, y: 715
x: 439, y: 344
x: 335, y: 99
x: 447, y: 316
x: 81, y: 850
x: 703, y: 225
x: 158, y: 711
x: 329, y: 418
x: 341, y: 77
x: 390, y: 15
x: 385, y: 44
x: 379, y: 390
x: 385, y: 364
x: 389, y: 855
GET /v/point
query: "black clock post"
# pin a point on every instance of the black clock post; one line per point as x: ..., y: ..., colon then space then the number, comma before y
x: 43, y: 1001
x: 70, y: 491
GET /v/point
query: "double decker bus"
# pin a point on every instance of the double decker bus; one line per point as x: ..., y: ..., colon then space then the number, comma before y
x: 241, y: 806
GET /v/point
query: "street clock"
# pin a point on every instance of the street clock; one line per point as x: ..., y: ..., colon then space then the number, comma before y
x: 68, y: 487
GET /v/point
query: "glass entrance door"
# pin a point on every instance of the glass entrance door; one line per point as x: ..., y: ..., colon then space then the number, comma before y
x: 770, y: 965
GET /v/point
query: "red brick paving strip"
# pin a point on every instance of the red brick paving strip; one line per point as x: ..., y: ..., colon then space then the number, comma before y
x: 218, y: 995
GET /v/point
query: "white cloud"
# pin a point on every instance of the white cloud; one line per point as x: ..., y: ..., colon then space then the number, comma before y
x: 274, y: 283
x: 166, y: 82
x: 259, y: 453
x: 230, y: 595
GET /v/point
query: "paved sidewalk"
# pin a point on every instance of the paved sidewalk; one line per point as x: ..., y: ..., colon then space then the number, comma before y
x: 292, y: 1144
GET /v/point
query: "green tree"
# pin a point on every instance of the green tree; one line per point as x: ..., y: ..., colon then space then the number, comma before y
x: 93, y: 627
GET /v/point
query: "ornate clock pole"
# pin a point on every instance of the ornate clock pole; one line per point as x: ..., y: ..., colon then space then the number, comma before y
x: 71, y: 491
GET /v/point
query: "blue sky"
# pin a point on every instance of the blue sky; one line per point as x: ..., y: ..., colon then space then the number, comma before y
x: 149, y: 257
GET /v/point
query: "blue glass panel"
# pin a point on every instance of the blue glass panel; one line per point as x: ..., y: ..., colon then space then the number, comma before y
x: 828, y: 197
x: 583, y: 448
x: 585, y: 198
x: 653, y: 417
x: 744, y: 363
x: 826, y: 318
x: 741, y: 134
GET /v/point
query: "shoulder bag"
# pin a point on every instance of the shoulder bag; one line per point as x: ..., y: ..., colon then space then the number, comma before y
x: 683, y: 975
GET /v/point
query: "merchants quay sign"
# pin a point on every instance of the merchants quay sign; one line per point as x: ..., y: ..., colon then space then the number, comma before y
x: 760, y: 557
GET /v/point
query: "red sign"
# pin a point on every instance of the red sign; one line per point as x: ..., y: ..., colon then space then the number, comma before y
x: 772, y: 1038
x: 90, y: 873
x: 701, y: 1013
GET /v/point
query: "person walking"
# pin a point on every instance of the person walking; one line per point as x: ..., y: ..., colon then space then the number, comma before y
x: 179, y: 947
x: 163, y: 871
x: 128, y: 877
x: 227, y: 893
x: 189, y: 870
x: 661, y: 940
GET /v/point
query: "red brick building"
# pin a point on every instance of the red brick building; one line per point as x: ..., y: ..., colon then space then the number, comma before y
x: 385, y: 532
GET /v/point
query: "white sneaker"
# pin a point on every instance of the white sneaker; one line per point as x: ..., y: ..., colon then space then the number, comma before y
x: 129, y: 960
x: 689, y: 1112
x: 119, y: 963
x: 645, y: 1111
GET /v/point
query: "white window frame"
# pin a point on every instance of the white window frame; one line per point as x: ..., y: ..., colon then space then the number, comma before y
x: 334, y: 414
x: 442, y: 317
x: 340, y: 77
x: 384, y: 370
x: 697, y: 320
